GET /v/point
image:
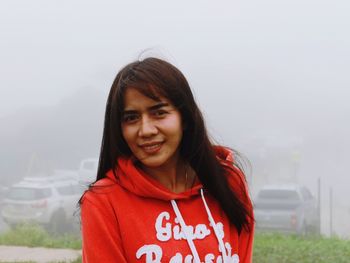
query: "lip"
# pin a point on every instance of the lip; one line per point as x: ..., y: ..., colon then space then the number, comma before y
x: 151, y: 147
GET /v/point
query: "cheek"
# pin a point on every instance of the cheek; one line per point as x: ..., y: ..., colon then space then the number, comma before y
x: 175, y: 128
x: 127, y: 133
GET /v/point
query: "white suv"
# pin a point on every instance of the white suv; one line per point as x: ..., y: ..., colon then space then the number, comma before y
x: 88, y: 171
x: 50, y: 201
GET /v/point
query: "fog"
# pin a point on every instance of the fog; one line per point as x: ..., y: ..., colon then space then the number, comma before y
x: 270, y: 76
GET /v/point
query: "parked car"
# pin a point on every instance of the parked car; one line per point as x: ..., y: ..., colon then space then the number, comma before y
x: 3, y: 191
x: 49, y: 201
x: 88, y: 171
x: 287, y: 208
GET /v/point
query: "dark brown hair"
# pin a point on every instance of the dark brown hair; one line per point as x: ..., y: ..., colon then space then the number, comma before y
x: 154, y: 77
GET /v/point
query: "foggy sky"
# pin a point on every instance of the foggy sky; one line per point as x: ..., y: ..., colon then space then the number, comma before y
x: 267, y: 74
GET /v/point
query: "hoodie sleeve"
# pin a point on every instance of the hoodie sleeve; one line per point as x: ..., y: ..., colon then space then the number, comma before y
x: 246, y: 237
x: 239, y: 185
x: 100, y: 232
x: 246, y: 245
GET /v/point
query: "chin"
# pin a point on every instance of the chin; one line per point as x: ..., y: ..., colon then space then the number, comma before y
x: 153, y: 161
x: 152, y: 164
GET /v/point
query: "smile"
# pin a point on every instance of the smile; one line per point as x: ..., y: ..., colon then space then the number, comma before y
x: 151, y: 148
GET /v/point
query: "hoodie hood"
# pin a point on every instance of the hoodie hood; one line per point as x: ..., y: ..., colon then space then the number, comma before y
x: 134, y: 180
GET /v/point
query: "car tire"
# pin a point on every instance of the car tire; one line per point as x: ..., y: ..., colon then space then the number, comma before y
x: 314, y: 229
x: 58, y: 222
x: 303, y: 229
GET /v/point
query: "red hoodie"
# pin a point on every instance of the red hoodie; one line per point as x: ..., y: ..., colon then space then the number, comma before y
x: 136, y: 219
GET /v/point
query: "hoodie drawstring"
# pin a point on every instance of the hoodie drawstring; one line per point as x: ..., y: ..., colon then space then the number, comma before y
x: 185, y: 231
x: 188, y: 236
x: 214, y: 226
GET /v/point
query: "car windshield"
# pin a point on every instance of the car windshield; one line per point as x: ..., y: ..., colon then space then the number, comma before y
x: 26, y: 193
x: 89, y: 165
x: 279, y: 194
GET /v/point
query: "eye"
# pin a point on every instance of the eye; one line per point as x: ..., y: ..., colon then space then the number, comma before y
x: 130, y: 118
x: 160, y: 113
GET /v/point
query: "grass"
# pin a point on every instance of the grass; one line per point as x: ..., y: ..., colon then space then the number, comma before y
x: 268, y: 247
x: 78, y: 260
x: 278, y: 248
x: 36, y: 236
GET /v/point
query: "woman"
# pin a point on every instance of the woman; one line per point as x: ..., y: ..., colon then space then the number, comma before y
x: 163, y: 192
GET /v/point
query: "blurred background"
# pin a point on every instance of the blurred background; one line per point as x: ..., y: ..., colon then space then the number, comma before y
x: 270, y: 76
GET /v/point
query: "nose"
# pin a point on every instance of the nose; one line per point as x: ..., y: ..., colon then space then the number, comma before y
x: 147, y: 128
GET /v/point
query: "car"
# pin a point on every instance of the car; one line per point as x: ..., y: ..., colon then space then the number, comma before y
x: 88, y: 171
x: 286, y: 208
x: 3, y: 191
x: 49, y: 201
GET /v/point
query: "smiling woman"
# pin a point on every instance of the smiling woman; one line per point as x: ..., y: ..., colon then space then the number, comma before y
x: 163, y: 192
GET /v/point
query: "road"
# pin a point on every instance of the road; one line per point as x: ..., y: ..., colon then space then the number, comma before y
x: 37, y: 254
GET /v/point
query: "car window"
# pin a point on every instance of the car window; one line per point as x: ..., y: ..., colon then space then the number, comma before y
x: 26, y: 193
x: 78, y: 189
x: 306, y: 194
x: 89, y: 165
x: 65, y: 190
x: 278, y: 194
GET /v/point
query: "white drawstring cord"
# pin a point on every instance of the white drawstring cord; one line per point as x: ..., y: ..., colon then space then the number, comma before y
x: 184, y: 229
x: 214, y: 226
x: 189, y: 237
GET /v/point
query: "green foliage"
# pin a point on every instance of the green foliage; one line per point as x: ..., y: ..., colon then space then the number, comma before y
x: 268, y: 247
x: 78, y: 260
x: 278, y: 248
x: 32, y: 235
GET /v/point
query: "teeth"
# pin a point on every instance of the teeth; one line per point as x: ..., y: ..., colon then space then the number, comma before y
x: 151, y: 147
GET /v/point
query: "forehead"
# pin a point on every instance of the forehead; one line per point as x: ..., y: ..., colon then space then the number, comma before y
x: 135, y: 99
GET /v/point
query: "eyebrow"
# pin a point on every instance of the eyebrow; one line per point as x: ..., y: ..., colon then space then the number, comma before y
x: 154, y: 107
x: 158, y: 106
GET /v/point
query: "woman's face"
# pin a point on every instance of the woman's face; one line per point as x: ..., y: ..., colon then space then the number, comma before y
x: 152, y: 129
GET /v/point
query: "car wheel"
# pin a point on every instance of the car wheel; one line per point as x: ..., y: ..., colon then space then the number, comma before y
x: 303, y: 229
x: 58, y: 222
x: 314, y: 229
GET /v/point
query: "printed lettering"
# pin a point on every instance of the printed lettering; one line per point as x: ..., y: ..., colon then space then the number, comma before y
x: 220, y: 228
x: 209, y: 258
x: 153, y: 253
x: 189, y: 232
x: 228, y: 250
x: 163, y: 233
x: 235, y: 258
x: 164, y: 227
x: 188, y: 259
x: 178, y: 235
x: 176, y: 259
x: 201, y: 231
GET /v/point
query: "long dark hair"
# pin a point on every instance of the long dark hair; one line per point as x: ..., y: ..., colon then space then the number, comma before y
x: 154, y: 77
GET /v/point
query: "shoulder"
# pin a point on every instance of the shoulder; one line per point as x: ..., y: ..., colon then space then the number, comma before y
x: 100, y: 193
x: 237, y: 180
x: 228, y: 160
x: 234, y: 174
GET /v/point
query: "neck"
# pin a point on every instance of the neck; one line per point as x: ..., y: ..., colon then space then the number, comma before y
x: 177, y: 177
